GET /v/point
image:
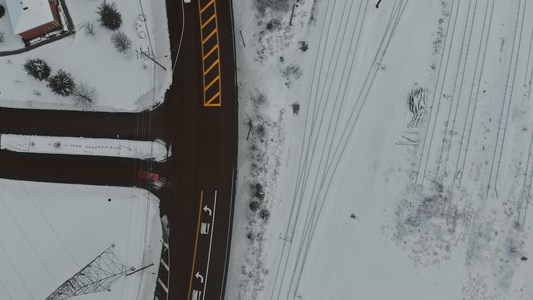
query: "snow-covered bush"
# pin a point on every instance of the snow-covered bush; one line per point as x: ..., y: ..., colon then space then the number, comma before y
x: 291, y: 74
x: 295, y: 108
x: 258, y: 99
x: 121, y: 41
x: 302, y: 45
x: 261, y: 131
x: 62, y: 83
x: 254, y: 205
x: 110, y: 18
x: 37, y: 68
x: 258, y: 192
x: 274, y: 24
x: 277, y: 5
x: 432, y: 222
x: 264, y: 214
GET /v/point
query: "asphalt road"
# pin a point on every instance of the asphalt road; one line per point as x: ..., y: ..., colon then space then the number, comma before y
x: 204, y: 149
x: 207, y: 148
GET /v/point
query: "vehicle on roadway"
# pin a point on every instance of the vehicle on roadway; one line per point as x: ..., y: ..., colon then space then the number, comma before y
x: 148, y: 175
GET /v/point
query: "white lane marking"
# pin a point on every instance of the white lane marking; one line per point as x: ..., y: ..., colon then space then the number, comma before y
x: 210, y: 243
x: 229, y: 226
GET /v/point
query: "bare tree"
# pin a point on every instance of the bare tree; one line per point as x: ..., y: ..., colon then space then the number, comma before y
x: 121, y: 41
x: 84, y: 94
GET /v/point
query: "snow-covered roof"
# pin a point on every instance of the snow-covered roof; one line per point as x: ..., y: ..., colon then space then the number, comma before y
x: 28, y: 14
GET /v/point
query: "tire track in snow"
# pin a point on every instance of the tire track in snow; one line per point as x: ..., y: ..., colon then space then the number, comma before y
x: 430, y: 118
x: 335, y: 115
x: 398, y: 10
x: 463, y: 55
x: 304, y: 173
x: 523, y: 205
x: 307, y: 165
x: 313, y: 216
x: 285, y: 248
x: 524, y: 199
x: 506, y: 100
x: 457, y: 170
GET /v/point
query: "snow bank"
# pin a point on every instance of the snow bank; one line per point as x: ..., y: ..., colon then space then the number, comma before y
x: 147, y: 150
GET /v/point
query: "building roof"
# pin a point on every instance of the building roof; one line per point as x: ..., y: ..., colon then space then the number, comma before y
x: 28, y: 14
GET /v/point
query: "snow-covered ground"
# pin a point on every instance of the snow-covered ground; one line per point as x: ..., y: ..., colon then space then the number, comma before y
x: 123, y: 82
x: 353, y: 200
x: 148, y: 150
x: 51, y: 231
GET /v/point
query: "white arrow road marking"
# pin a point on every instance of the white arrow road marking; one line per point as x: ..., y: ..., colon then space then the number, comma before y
x: 195, y: 294
x: 207, y: 209
x: 199, y: 276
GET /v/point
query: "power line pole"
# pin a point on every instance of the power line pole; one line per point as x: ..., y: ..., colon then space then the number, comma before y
x: 95, y: 277
x: 151, y: 58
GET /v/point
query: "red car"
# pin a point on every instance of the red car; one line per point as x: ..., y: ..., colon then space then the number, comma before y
x: 148, y: 175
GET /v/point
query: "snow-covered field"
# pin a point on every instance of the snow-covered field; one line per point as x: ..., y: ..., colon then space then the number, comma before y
x: 389, y: 150
x: 148, y: 150
x: 123, y: 81
x: 51, y: 231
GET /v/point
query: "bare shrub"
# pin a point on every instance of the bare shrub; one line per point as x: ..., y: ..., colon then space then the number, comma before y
x: 89, y: 28
x: 291, y: 74
x: 258, y: 99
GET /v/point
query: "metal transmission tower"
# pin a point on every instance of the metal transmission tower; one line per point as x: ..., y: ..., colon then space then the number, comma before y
x: 97, y: 276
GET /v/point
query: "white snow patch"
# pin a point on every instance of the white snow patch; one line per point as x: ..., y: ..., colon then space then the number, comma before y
x: 147, y: 150
x: 51, y: 231
x: 123, y: 82
x: 367, y: 204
